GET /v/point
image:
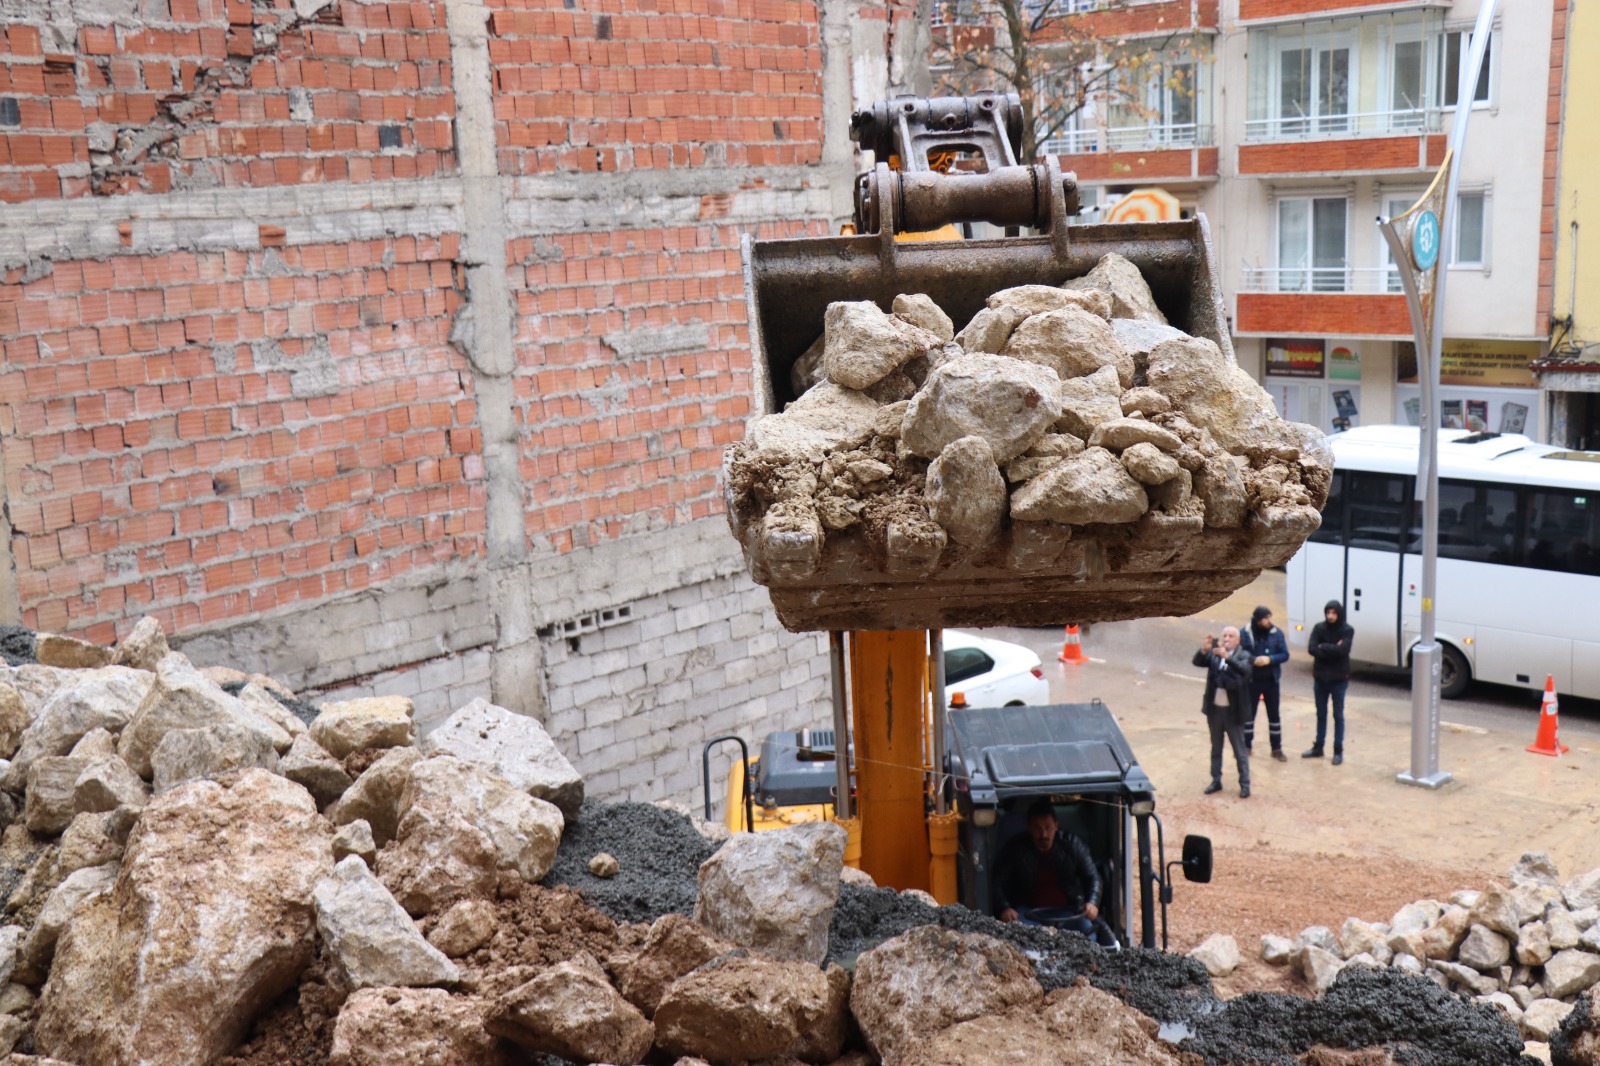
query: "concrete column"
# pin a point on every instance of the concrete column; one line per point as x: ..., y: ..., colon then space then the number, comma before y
x: 483, y: 332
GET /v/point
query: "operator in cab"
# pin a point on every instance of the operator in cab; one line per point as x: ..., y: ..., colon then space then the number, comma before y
x: 1046, y: 867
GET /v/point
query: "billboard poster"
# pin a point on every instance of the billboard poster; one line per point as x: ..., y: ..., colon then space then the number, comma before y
x: 1296, y: 358
x: 1495, y: 364
x: 1452, y: 414
x: 1513, y: 417
x: 1346, y: 408
x: 1344, y: 364
x: 1477, y: 415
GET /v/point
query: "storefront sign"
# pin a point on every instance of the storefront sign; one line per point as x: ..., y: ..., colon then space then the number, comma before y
x: 1344, y: 364
x: 1493, y: 364
x: 1294, y: 358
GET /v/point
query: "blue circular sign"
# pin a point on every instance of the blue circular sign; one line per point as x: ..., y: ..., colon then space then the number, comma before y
x: 1425, y: 240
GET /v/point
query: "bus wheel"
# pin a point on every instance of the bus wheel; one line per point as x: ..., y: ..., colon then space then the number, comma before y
x: 1454, y: 673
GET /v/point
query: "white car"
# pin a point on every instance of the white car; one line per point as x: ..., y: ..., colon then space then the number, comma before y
x: 992, y: 673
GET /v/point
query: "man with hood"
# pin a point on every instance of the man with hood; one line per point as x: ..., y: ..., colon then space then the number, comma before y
x: 1227, y: 668
x: 1268, y: 652
x: 1330, y: 676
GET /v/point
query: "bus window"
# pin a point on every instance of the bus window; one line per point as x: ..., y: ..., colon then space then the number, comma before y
x: 1563, y: 530
x: 1477, y: 522
x: 1376, y: 505
x: 1332, y: 529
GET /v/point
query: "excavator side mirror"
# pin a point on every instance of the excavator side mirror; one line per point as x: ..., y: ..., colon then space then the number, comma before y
x: 1197, y: 859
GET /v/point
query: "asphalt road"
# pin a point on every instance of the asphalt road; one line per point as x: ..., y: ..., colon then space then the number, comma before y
x: 1501, y: 800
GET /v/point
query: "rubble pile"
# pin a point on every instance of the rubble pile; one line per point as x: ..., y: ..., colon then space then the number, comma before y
x: 1066, y: 439
x: 1530, y: 949
x: 194, y: 873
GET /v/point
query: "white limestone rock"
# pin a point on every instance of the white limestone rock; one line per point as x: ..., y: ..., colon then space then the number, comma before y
x: 1218, y: 953
x: 1582, y: 891
x: 1120, y: 433
x: 513, y: 746
x: 1071, y: 341
x: 1536, y: 867
x: 863, y: 345
x: 1278, y: 950
x: 920, y: 310
x: 375, y: 795
x: 1093, y: 487
x: 191, y: 754
x: 94, y: 699
x: 1570, y: 972
x: 1130, y: 293
x: 77, y: 891
x: 355, y: 838
x: 144, y: 646
x: 827, y: 418
x: 1541, y: 1018
x: 372, y: 939
x: 990, y: 329
x: 308, y: 765
x: 1008, y: 402
x: 182, y: 698
x: 1319, y: 967
x: 774, y: 892
x: 371, y: 722
x: 1484, y: 950
x: 1533, y: 944
x: 966, y: 493
x: 1089, y: 401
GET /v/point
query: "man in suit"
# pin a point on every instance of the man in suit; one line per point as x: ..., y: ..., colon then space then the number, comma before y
x: 1228, y: 670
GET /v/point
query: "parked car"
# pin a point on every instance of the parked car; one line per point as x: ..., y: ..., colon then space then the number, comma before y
x: 992, y: 673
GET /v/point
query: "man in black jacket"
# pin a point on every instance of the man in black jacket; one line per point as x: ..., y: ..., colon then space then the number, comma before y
x: 1330, y: 676
x: 1046, y: 867
x: 1228, y: 673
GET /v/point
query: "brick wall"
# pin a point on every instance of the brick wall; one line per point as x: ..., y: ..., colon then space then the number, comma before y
x: 1322, y: 315
x: 1341, y: 157
x: 258, y: 384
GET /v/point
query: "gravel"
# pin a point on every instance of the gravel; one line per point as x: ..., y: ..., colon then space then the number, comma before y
x: 16, y: 645
x: 658, y: 852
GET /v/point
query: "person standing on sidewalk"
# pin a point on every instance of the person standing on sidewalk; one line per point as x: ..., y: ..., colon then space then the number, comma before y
x: 1330, y: 676
x: 1227, y: 668
x: 1269, y: 651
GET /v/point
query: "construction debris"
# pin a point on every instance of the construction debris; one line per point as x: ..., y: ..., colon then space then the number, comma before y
x: 1113, y: 467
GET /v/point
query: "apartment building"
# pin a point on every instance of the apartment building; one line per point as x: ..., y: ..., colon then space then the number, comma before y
x: 1295, y: 124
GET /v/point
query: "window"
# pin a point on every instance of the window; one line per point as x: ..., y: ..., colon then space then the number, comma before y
x: 1311, y: 244
x: 1405, y: 83
x: 1376, y: 505
x: 1563, y: 531
x: 1313, y: 89
x: 1332, y: 529
x: 1454, y: 53
x: 1477, y: 522
x: 1470, y: 242
x: 962, y: 664
x: 1161, y: 99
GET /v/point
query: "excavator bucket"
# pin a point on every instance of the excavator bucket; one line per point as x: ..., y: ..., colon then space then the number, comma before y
x: 982, y: 480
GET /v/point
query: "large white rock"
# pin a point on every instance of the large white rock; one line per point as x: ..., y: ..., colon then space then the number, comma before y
x: 1008, y: 402
x: 1087, y: 402
x: 1319, y: 936
x: 572, y: 1012
x: 1218, y: 953
x: 1563, y: 931
x: 1319, y: 968
x: 1541, y: 1018
x: 990, y: 329
x: 371, y: 937
x: 965, y: 492
x: 1569, y: 972
x: 1441, y: 939
x: 920, y: 310
x: 192, y: 754
x: 744, y: 1007
x: 211, y: 920
x: 1130, y: 293
x: 1092, y: 487
x: 1071, y: 341
x: 371, y: 722
x: 1533, y: 944
x: 406, y: 1026
x: 1357, y: 936
x: 513, y: 746
x: 1484, y: 950
x: 375, y: 796
x: 1583, y: 891
x: 863, y: 344
x: 14, y: 719
x: 77, y: 891
x: 145, y: 645
x: 1495, y: 910
x: 256, y: 696
x: 95, y: 699
x: 183, y: 698
x: 1530, y: 900
x: 1415, y: 917
x: 460, y: 825
x: 311, y: 767
x: 51, y: 782
x: 1537, y: 868
x: 1278, y: 950
x: 774, y: 892
x: 1037, y: 299
x: 827, y: 418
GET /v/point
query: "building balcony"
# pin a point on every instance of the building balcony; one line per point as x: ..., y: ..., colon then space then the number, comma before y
x: 1184, y: 152
x: 1287, y: 10
x: 1321, y: 302
x: 1373, y: 142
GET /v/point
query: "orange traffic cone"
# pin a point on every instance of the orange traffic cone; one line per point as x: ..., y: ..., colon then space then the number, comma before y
x: 1545, y: 743
x: 1071, y: 650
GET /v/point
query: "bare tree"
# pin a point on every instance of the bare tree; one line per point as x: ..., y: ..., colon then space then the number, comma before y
x: 1058, y: 61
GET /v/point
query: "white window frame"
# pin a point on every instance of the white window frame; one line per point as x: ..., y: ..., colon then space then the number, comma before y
x: 1464, y: 45
x: 1394, y: 36
x: 1386, y: 199
x: 1485, y: 192
x: 1310, y: 197
x: 1346, y: 39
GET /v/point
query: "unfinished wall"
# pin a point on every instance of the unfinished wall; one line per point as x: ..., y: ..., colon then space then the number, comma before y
x: 380, y: 346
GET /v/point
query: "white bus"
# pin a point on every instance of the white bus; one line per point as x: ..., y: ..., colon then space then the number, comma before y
x: 1519, y: 558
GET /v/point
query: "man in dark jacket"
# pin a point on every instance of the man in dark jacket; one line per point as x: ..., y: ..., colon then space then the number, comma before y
x: 1227, y: 681
x: 1046, y: 867
x: 1268, y: 652
x: 1330, y: 676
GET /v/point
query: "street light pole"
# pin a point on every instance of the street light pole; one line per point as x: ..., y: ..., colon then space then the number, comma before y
x: 1417, y: 255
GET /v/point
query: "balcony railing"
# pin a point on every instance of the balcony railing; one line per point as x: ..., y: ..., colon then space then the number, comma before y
x: 1357, y: 124
x: 1367, y: 280
x: 1127, y: 138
